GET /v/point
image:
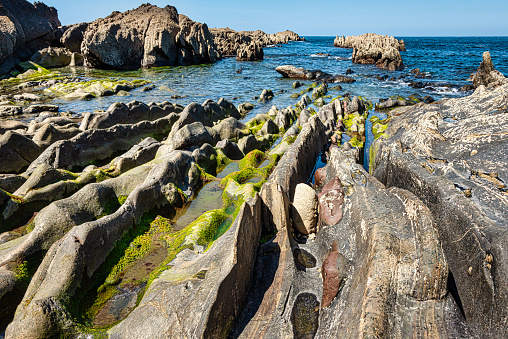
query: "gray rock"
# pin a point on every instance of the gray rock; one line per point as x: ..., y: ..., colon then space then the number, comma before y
x: 304, y: 117
x: 486, y: 75
x: 16, y: 152
x: 49, y: 134
x: 230, y: 149
x: 245, y: 108
x: 8, y: 125
x: 247, y: 144
x: 230, y: 128
x: 195, y: 134
x: 252, y: 52
x: 269, y: 127
x: 52, y: 57
x: 289, y: 71
x: 266, y: 94
x: 73, y: 37
x: 147, y: 36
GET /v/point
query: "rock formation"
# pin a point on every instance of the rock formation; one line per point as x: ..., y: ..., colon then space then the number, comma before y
x: 289, y: 71
x: 24, y: 29
x: 251, y: 52
x: 452, y: 155
x: 230, y: 42
x: 370, y: 48
x: 147, y: 36
x: 486, y: 75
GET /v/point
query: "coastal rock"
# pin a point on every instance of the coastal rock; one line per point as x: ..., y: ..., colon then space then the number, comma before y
x: 73, y: 37
x: 230, y: 149
x: 266, y: 95
x: 53, y: 57
x: 147, y: 36
x: 24, y: 29
x: 230, y: 42
x: 330, y: 200
x: 305, y: 209
x: 486, y: 75
x: 453, y: 156
x: 245, y: 107
x: 252, y: 52
x: 289, y: 71
x: 370, y: 48
x: 17, y: 152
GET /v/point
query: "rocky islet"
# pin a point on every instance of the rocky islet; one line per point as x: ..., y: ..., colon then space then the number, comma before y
x: 302, y: 241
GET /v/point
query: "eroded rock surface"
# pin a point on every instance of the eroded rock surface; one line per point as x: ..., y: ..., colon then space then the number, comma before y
x: 452, y: 155
x: 147, y: 36
x: 370, y: 48
x: 289, y: 71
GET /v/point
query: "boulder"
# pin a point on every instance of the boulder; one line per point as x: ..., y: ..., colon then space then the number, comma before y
x: 52, y: 57
x: 195, y: 134
x: 16, y: 152
x: 147, y: 36
x: 247, y: 144
x: 49, y: 134
x: 266, y: 95
x: 230, y: 128
x: 269, y: 127
x: 24, y: 29
x: 304, y: 211
x: 230, y: 149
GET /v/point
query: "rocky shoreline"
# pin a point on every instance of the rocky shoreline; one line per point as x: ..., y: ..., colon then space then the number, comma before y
x: 199, y: 221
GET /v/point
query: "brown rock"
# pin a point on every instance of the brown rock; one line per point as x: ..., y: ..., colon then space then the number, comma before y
x: 334, y: 272
x: 330, y: 201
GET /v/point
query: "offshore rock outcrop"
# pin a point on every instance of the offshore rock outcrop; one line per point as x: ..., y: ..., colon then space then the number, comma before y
x: 290, y: 71
x: 453, y: 156
x: 24, y: 29
x: 230, y: 42
x: 147, y: 36
x: 370, y: 48
x: 487, y: 75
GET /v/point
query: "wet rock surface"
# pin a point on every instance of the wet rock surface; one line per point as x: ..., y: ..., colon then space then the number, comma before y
x: 289, y: 71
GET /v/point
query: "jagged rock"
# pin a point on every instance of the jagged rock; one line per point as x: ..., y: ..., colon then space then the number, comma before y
x: 486, y: 75
x: 376, y: 39
x: 27, y: 97
x: 304, y: 117
x: 383, y: 51
x: 252, y: 52
x: 73, y: 37
x: 289, y: 71
x: 147, y: 36
x: 319, y: 91
x: 230, y: 42
x: 131, y: 113
x: 194, y: 134
x: 391, y: 103
x: 296, y: 84
x: 6, y: 111
x: 230, y: 149
x: 305, y: 209
x: 269, y: 127
x: 304, y: 101
x: 452, y: 156
x: 24, y: 29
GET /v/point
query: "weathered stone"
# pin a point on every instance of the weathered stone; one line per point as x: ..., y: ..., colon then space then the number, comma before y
x: 230, y: 149
x: 147, y: 36
x: 252, y: 52
x: 331, y: 198
x: 486, y: 75
x: 16, y: 152
x: 289, y: 71
x: 305, y: 209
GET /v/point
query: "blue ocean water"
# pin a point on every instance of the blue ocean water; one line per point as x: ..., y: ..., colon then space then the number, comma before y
x: 448, y: 62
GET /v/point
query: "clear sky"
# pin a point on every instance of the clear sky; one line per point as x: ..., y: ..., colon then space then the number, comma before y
x: 321, y: 17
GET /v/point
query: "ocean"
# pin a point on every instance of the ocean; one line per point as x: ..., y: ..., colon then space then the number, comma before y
x: 446, y: 61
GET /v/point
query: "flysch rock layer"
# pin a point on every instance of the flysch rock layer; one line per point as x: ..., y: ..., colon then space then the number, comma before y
x: 453, y: 156
x: 370, y: 48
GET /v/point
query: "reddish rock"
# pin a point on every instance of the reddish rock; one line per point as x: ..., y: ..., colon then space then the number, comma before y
x: 334, y: 272
x: 330, y: 202
x: 319, y: 177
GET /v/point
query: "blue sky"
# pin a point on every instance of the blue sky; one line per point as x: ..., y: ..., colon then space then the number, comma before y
x: 392, y: 17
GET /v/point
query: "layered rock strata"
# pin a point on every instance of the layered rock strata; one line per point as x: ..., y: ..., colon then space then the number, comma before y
x: 290, y: 71
x: 370, y: 48
x: 452, y: 155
